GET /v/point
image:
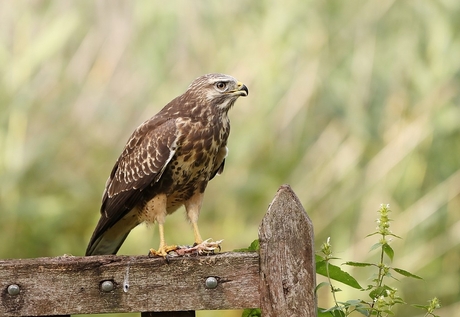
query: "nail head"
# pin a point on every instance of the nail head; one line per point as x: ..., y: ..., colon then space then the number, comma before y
x: 211, y: 282
x: 107, y: 286
x: 13, y: 289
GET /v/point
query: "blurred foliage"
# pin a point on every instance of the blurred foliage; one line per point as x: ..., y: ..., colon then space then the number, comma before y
x: 353, y: 103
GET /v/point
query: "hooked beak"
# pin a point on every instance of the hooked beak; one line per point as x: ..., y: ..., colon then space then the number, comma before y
x: 242, y: 89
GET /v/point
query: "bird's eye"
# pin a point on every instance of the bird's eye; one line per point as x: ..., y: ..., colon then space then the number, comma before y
x: 220, y: 85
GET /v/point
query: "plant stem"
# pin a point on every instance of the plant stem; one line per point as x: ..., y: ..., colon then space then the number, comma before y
x: 380, y: 277
x: 330, y: 283
x: 381, y: 265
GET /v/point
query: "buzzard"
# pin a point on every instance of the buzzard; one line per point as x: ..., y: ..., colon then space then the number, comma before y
x: 167, y: 163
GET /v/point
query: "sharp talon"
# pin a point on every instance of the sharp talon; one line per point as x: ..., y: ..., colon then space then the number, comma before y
x: 207, y: 247
x: 162, y: 251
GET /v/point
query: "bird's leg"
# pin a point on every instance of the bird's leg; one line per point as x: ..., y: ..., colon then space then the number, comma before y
x: 163, y: 249
x: 196, y: 233
x: 155, y: 211
x: 162, y: 236
x: 193, y: 207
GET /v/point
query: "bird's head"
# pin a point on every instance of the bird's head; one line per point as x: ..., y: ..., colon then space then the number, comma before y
x: 219, y: 90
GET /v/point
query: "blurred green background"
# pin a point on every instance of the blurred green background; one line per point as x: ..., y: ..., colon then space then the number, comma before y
x: 353, y: 103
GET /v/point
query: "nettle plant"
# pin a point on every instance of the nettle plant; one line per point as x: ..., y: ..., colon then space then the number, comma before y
x: 382, y: 297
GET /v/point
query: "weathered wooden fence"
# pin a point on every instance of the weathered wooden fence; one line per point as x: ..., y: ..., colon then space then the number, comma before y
x: 279, y: 279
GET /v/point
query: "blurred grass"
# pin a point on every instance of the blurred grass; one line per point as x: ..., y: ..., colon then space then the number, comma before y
x: 353, y: 103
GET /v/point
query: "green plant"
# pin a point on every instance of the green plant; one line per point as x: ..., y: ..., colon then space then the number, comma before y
x: 432, y: 305
x: 382, y: 297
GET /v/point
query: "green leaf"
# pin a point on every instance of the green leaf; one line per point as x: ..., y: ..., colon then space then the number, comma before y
x: 372, y: 234
x: 319, y: 258
x: 322, y: 284
x: 425, y: 307
x: 363, y: 310
x: 388, y: 274
x: 356, y: 305
x: 407, y: 274
x: 399, y: 300
x: 388, y: 251
x: 393, y: 235
x: 361, y: 264
x: 375, y: 246
x: 254, y: 246
x: 337, y: 274
x: 379, y: 291
x: 354, y: 302
x: 335, y: 311
x: 252, y: 312
x: 321, y: 312
x: 338, y: 313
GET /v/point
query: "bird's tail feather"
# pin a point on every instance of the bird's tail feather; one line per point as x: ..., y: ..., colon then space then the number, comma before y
x: 109, y: 240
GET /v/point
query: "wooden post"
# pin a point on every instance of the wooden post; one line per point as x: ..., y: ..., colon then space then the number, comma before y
x: 287, y: 259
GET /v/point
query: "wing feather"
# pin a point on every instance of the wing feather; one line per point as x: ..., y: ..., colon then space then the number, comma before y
x: 143, y: 160
x: 220, y: 161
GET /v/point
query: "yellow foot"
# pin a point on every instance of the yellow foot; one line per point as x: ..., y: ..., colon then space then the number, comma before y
x: 204, y: 248
x: 162, y: 251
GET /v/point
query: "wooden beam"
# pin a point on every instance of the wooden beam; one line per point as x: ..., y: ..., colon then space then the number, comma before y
x: 287, y: 258
x: 190, y: 313
x: 73, y: 285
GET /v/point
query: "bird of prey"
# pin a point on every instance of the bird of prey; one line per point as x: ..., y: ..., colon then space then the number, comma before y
x: 167, y: 163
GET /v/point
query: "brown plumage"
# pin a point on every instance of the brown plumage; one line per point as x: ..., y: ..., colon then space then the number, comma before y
x: 167, y: 162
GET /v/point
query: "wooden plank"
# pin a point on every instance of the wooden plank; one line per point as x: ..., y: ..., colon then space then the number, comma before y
x: 287, y: 260
x: 72, y: 285
x: 190, y: 313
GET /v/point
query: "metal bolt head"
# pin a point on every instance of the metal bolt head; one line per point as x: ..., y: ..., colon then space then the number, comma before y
x: 13, y: 289
x: 107, y: 286
x: 211, y: 282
